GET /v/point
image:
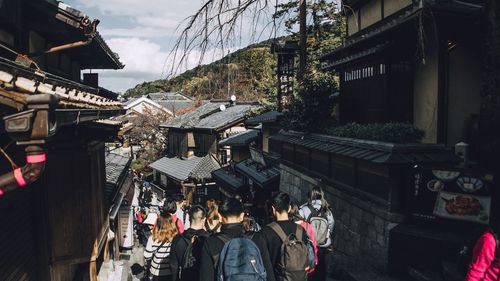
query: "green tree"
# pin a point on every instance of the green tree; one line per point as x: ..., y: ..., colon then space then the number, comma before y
x: 311, y: 110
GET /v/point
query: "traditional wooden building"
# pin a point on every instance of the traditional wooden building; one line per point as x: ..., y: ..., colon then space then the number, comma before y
x: 412, y: 61
x: 54, y: 209
x: 415, y: 62
x: 119, y: 195
x: 193, y: 140
x: 253, y: 173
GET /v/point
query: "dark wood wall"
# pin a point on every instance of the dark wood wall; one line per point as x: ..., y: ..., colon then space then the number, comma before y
x: 49, y: 228
x: 76, y: 205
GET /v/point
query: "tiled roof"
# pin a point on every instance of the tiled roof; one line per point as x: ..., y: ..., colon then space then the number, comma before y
x: 116, y: 166
x: 168, y: 96
x: 129, y: 101
x: 267, y: 117
x: 175, y: 105
x: 183, y: 169
x: 221, y: 119
x: 373, y: 151
x: 116, y: 171
x: 209, y: 116
x: 241, y: 139
x: 25, y: 81
x: 260, y: 175
x: 190, y: 119
x: 227, y: 179
x: 102, y: 57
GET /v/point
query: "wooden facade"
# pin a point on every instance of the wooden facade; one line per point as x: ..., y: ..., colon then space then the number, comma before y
x: 197, y: 134
x: 406, y: 62
x: 55, y: 228
x: 415, y: 62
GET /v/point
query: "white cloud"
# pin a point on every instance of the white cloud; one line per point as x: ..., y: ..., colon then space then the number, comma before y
x: 138, y: 31
x: 173, y: 9
x: 142, y: 33
x: 139, y: 55
x: 145, y: 61
x: 159, y: 21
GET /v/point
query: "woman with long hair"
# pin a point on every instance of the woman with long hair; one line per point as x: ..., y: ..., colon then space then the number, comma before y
x: 213, y: 222
x: 317, y: 212
x: 170, y: 207
x: 295, y: 216
x: 157, y: 250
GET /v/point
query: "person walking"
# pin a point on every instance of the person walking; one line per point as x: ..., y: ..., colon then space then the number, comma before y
x: 213, y: 222
x: 485, y: 263
x: 230, y: 252
x: 181, y: 212
x: 317, y: 213
x: 146, y: 228
x: 286, y: 243
x: 157, y: 251
x: 298, y: 219
x: 186, y: 247
x: 170, y: 207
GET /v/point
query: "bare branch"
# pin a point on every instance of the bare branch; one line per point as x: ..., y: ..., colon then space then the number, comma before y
x: 217, y: 25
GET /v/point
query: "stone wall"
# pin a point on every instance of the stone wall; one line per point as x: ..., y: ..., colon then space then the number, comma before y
x: 361, y: 227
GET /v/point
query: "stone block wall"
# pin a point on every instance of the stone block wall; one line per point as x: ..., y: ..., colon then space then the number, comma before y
x: 361, y: 227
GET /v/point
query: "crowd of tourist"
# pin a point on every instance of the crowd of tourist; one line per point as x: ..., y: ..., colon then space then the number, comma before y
x: 224, y: 241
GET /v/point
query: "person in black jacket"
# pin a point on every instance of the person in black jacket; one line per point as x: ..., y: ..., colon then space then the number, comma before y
x: 197, y: 217
x: 232, y: 212
x: 271, y: 241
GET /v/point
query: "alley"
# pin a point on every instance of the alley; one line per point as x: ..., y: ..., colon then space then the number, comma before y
x: 318, y: 140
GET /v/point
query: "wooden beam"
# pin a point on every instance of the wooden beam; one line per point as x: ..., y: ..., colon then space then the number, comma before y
x: 99, y: 242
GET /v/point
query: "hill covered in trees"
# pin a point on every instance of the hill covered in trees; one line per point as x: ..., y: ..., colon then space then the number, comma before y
x: 249, y: 73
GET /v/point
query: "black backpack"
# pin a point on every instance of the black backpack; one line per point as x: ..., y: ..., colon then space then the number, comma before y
x: 466, y: 253
x: 294, y: 260
x: 190, y: 263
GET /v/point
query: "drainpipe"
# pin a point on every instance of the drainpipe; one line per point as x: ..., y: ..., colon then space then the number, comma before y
x: 35, y: 164
x: 32, y: 128
x: 62, y: 48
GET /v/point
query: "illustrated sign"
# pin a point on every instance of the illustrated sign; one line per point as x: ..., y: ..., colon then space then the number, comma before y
x: 451, y: 194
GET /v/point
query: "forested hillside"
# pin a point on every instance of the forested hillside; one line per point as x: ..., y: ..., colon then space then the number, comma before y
x: 249, y: 72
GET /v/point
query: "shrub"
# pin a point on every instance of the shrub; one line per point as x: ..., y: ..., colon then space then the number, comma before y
x: 387, y: 132
x: 137, y: 165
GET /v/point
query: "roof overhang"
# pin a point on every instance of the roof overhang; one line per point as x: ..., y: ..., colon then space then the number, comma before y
x: 227, y: 180
x: 380, y: 35
x: 372, y: 151
x: 45, y: 103
x: 262, y: 176
x: 62, y: 25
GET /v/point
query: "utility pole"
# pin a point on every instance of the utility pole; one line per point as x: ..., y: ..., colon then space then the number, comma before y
x: 228, y: 82
x: 303, y: 38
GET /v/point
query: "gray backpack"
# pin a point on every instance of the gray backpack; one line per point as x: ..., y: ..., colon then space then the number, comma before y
x: 319, y: 223
x: 294, y: 263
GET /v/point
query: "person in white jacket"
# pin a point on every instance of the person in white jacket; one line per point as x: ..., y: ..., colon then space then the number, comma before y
x: 317, y: 212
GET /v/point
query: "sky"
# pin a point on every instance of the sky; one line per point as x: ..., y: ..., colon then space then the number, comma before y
x: 142, y: 33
